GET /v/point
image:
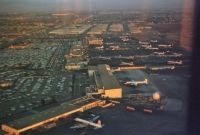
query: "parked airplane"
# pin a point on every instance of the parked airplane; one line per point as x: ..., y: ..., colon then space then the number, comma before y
x: 114, y: 101
x: 85, y: 123
x: 104, y: 58
x: 175, y: 62
x: 100, y: 48
x: 165, y: 46
x: 136, y: 83
x: 162, y: 68
x: 126, y: 64
x: 159, y: 53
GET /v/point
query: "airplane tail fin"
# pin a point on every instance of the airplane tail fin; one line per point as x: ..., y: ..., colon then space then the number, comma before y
x: 99, y: 122
x: 146, y: 81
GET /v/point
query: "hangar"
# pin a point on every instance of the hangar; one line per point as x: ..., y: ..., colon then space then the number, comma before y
x: 106, y: 83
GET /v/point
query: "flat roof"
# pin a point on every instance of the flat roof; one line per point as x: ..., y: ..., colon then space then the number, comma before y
x: 71, y: 30
x: 98, y: 29
x: 47, y: 114
x: 98, y: 80
x: 106, y: 78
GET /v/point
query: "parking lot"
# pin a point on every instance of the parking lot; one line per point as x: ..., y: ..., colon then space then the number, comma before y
x: 39, y: 79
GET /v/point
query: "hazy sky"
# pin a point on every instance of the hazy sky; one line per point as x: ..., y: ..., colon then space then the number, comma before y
x: 58, y: 5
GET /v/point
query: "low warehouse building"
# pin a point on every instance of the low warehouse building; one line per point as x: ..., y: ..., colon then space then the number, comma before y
x: 49, y: 117
x: 95, y: 41
x: 106, y: 83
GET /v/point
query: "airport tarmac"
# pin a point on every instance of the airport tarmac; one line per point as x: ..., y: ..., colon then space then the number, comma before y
x: 136, y: 75
x: 117, y: 120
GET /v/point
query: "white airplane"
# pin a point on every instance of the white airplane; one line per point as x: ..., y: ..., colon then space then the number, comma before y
x: 159, y: 53
x: 126, y: 64
x: 104, y: 58
x: 154, y: 41
x: 165, y: 46
x: 100, y: 48
x: 162, y: 68
x: 114, y: 101
x: 175, y: 62
x: 136, y: 83
x: 152, y: 48
x: 85, y: 123
x: 177, y: 54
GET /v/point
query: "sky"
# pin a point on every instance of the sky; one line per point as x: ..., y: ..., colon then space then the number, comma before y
x: 59, y: 5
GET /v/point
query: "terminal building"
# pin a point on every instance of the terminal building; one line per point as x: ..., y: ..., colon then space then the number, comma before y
x: 50, y: 116
x: 106, y: 83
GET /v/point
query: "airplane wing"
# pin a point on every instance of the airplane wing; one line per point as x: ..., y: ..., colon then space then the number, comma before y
x: 84, y: 123
x: 97, y: 125
x: 77, y: 126
x: 132, y: 83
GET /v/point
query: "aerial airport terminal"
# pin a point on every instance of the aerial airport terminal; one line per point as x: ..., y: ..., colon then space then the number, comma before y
x: 106, y: 73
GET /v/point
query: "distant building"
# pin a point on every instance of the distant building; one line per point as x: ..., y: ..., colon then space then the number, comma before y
x: 73, y: 67
x: 95, y: 41
x: 76, y: 65
x: 77, y: 58
x: 106, y: 83
x: 72, y: 30
x: 99, y: 29
x: 49, y: 117
x: 6, y: 84
x: 116, y: 28
x: 17, y: 46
